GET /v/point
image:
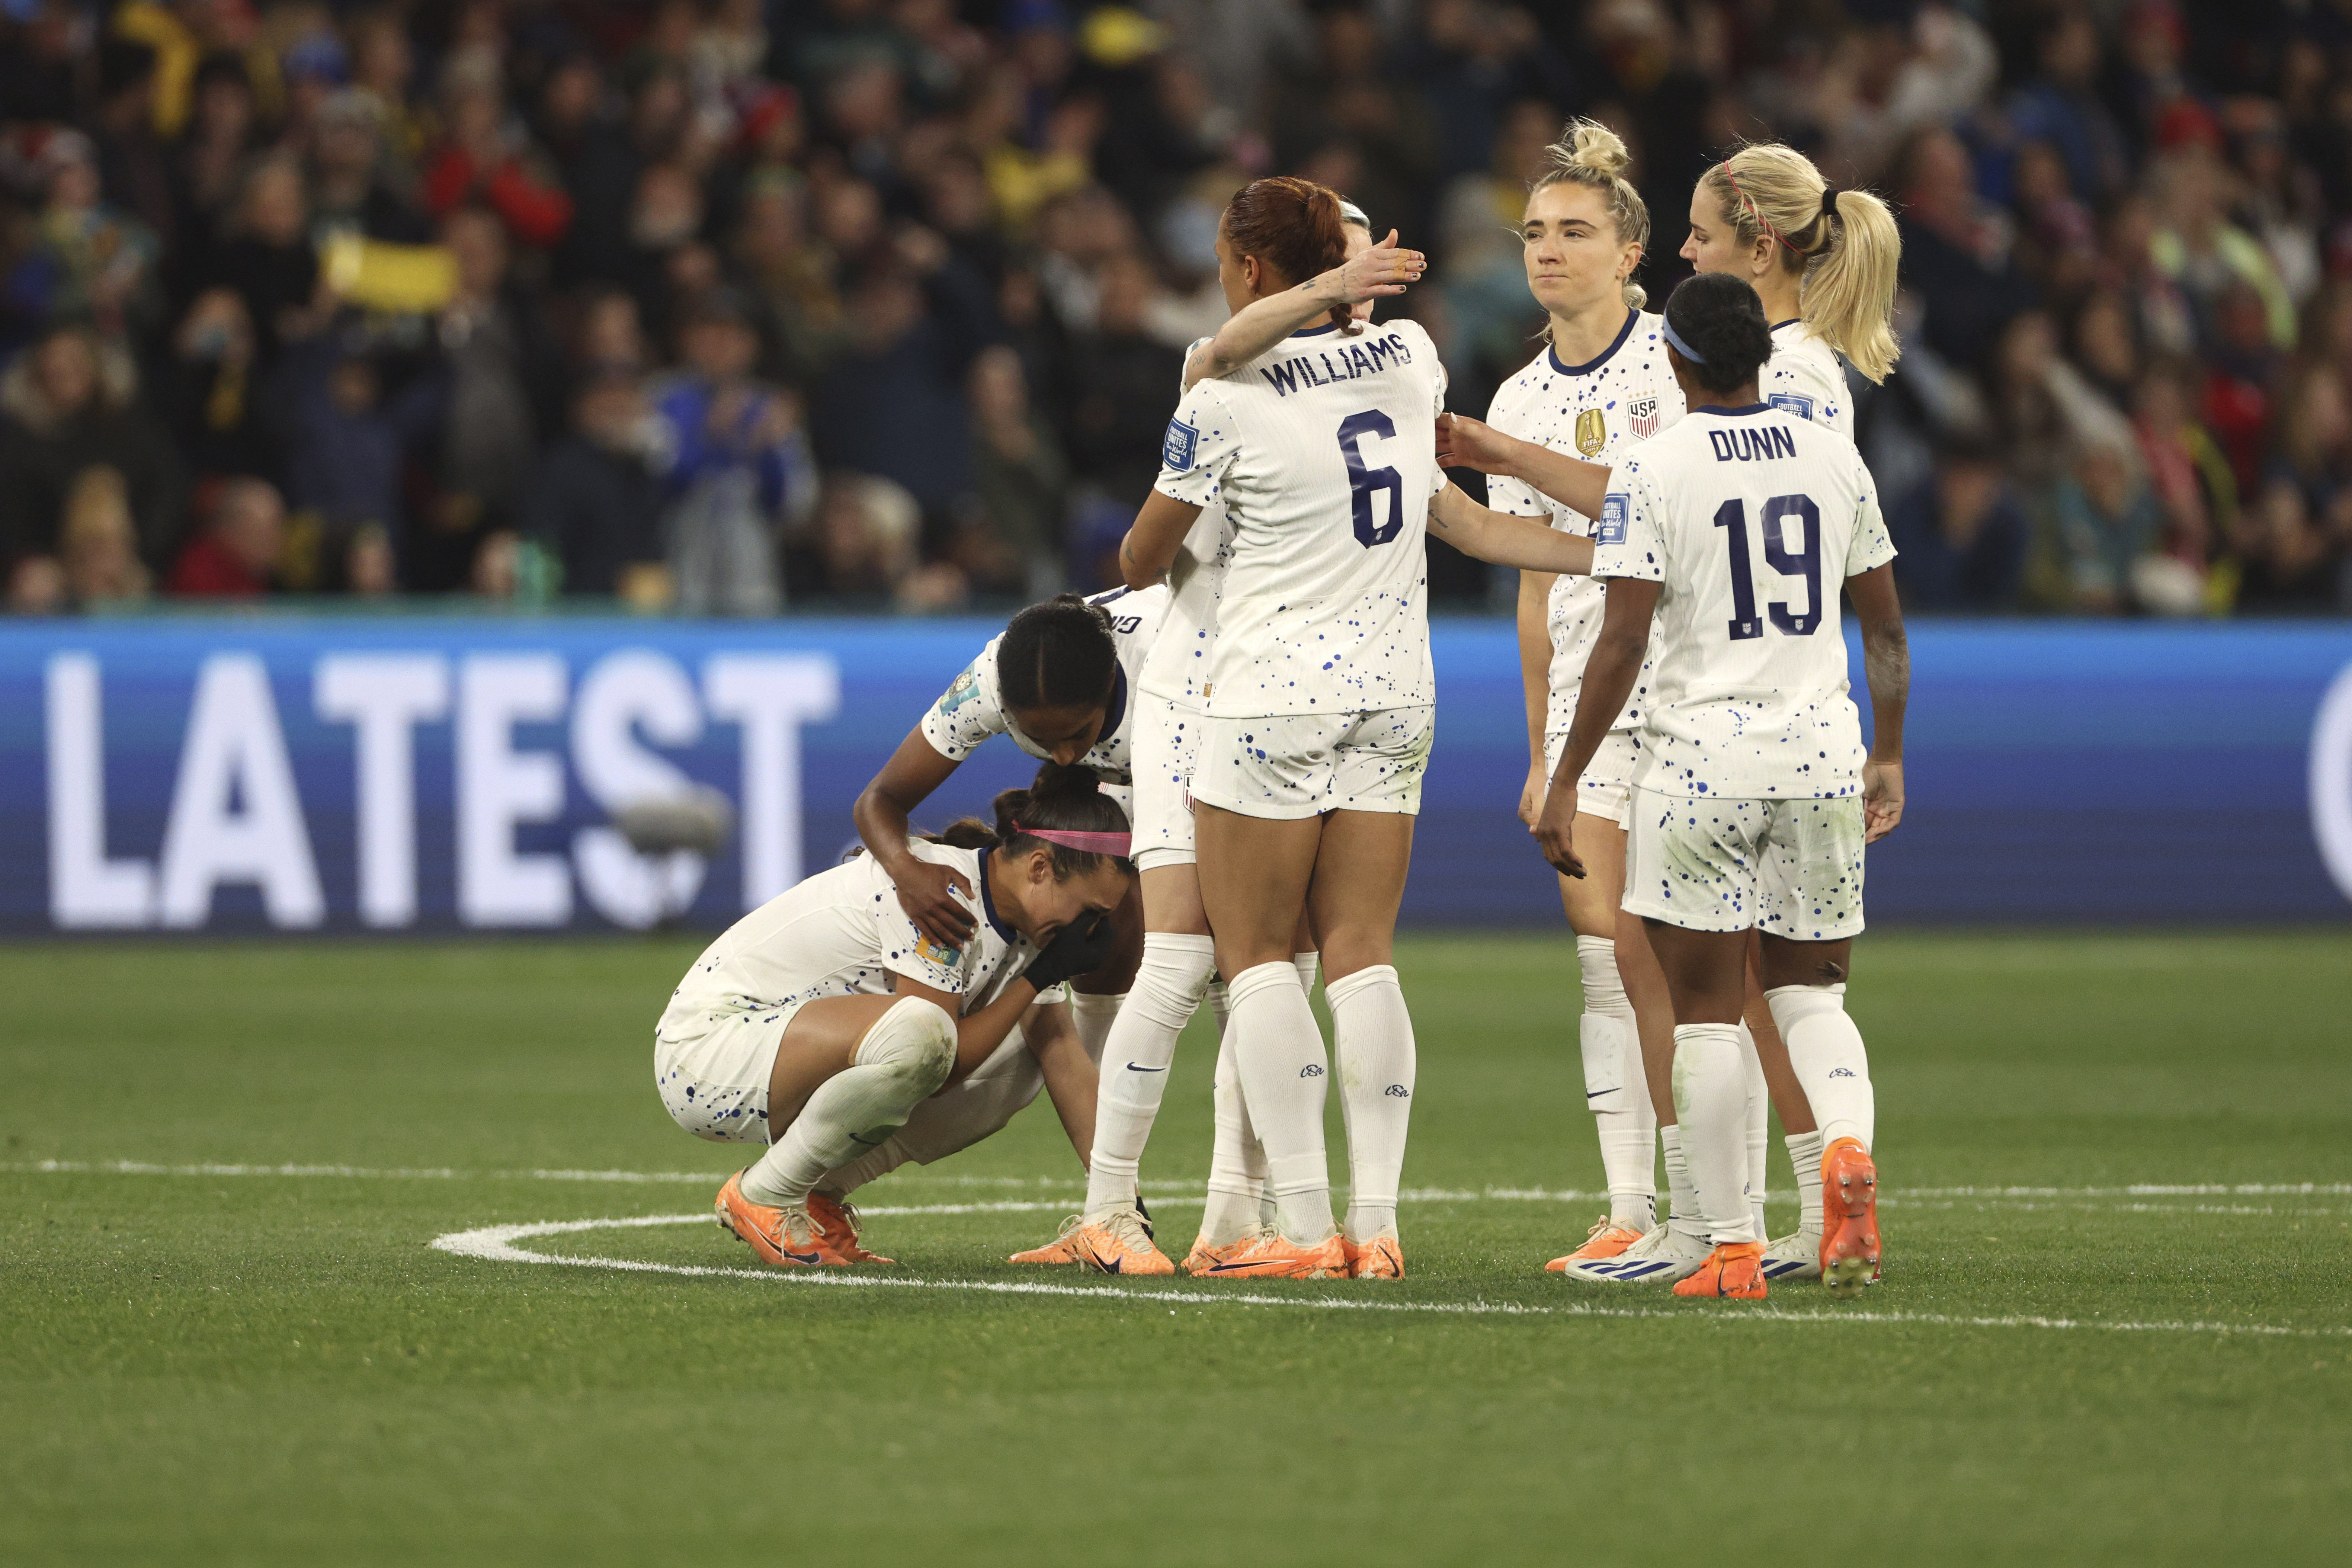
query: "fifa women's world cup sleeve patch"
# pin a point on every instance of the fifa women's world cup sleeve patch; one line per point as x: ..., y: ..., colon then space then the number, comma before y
x: 965, y: 716
x: 1179, y: 447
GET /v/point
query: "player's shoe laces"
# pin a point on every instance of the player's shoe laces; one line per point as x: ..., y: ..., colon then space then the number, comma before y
x: 1849, y: 1218
x: 1607, y: 1238
x: 837, y: 1221
x: 1274, y: 1256
x: 1662, y: 1257
x: 1733, y: 1268
x: 1383, y: 1257
x: 1796, y: 1256
x: 1118, y: 1244
x: 1063, y: 1248
x: 787, y: 1237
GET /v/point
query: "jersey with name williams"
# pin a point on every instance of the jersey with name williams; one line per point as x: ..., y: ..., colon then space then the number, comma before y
x: 1599, y: 411
x: 972, y: 706
x: 1750, y: 520
x: 1178, y: 665
x: 1324, y: 451
x: 1804, y: 377
x: 843, y: 933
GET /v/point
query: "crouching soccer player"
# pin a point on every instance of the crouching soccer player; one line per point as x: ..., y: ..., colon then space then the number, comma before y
x: 820, y: 1022
x: 1755, y: 797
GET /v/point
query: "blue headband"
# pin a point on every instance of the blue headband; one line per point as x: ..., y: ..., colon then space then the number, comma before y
x: 1676, y: 339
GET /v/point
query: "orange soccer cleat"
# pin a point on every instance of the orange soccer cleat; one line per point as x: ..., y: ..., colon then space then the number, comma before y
x: 1206, y: 1255
x: 1379, y: 1259
x: 1118, y: 1244
x: 1063, y: 1248
x: 837, y: 1221
x: 787, y: 1237
x: 1849, y: 1218
x: 1270, y: 1256
x: 1733, y: 1268
x: 1607, y: 1238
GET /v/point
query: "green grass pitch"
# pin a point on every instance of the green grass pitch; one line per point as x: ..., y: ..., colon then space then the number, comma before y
x: 232, y: 1367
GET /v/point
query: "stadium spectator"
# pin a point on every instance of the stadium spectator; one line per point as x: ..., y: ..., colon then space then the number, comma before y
x: 69, y: 406
x: 235, y: 556
x: 2161, y: 193
x: 596, y: 506
x: 1962, y: 536
x: 98, y: 543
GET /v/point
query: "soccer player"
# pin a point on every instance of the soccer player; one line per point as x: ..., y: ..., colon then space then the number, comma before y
x: 1319, y: 696
x: 1755, y: 797
x: 1179, y: 958
x: 1823, y: 262
x: 1599, y: 387
x: 819, y: 1022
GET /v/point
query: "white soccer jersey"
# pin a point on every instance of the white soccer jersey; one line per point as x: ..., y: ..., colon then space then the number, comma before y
x: 843, y: 933
x: 1178, y: 665
x: 1751, y: 520
x: 972, y: 706
x: 1599, y: 410
x: 1323, y: 450
x: 1804, y: 377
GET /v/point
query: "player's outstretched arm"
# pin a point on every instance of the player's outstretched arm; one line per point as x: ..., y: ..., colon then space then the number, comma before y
x: 1466, y: 443
x: 1608, y: 676
x: 926, y: 889
x: 1072, y: 1079
x: 1149, y: 547
x: 1886, y: 665
x: 1504, y: 540
x: 1256, y: 327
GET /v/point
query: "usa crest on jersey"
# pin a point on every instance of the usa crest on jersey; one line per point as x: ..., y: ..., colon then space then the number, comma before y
x: 1641, y: 417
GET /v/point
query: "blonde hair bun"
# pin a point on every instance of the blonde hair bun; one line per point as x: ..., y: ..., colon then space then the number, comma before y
x: 1588, y: 145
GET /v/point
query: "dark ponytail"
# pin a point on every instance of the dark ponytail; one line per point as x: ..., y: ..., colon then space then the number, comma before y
x: 1723, y: 320
x: 1293, y: 226
x: 1059, y: 654
x: 1068, y: 798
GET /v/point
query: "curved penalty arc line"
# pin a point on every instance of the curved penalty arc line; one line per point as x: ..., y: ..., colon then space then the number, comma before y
x: 496, y: 1244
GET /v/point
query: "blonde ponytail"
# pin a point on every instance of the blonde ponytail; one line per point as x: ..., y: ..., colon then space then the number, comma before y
x: 1589, y: 154
x: 1843, y: 242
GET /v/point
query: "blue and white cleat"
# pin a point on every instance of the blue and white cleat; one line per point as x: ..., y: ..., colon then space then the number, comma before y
x: 1797, y: 1256
x: 1664, y: 1257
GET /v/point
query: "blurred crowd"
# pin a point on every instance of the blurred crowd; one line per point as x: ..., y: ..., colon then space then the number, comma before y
x: 722, y: 306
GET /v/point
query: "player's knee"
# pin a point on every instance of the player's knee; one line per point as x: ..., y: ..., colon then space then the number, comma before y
x: 1174, y: 977
x: 1794, y: 1005
x: 915, y: 1040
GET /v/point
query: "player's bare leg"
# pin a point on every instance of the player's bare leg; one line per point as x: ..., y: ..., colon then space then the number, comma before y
x: 1359, y: 876
x: 1805, y: 983
x: 1615, y: 1088
x: 1706, y: 974
x: 1254, y: 873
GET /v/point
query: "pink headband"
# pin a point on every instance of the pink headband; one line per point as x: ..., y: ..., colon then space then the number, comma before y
x: 1092, y: 843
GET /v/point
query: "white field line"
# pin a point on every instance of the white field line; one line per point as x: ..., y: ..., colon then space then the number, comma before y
x: 496, y: 1244
x: 1178, y: 1191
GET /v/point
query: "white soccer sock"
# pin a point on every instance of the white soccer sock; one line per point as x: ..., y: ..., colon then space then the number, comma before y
x: 1095, y: 1016
x: 1711, y: 1111
x: 1305, y: 964
x: 870, y: 1166
x: 1615, y: 1090
x: 903, y: 1059
x: 1805, y: 1155
x: 1237, y: 1163
x: 1682, y: 1192
x: 1371, y: 1038
x: 1759, y: 1131
x: 1169, y: 984
x: 1826, y: 1052
x: 1279, y: 1051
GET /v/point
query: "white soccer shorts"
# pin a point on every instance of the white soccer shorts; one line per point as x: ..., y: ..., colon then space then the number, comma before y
x: 1607, y: 784
x: 1166, y: 744
x: 1303, y: 764
x: 1791, y: 866
x: 714, y: 1082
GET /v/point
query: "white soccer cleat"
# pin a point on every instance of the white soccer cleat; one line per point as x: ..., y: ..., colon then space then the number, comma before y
x: 1664, y: 1257
x: 1797, y: 1256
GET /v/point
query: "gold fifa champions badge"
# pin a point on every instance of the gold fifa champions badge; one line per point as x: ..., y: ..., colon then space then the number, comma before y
x: 1591, y: 431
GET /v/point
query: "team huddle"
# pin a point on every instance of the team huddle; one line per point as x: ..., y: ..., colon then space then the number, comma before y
x: 1233, y: 749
